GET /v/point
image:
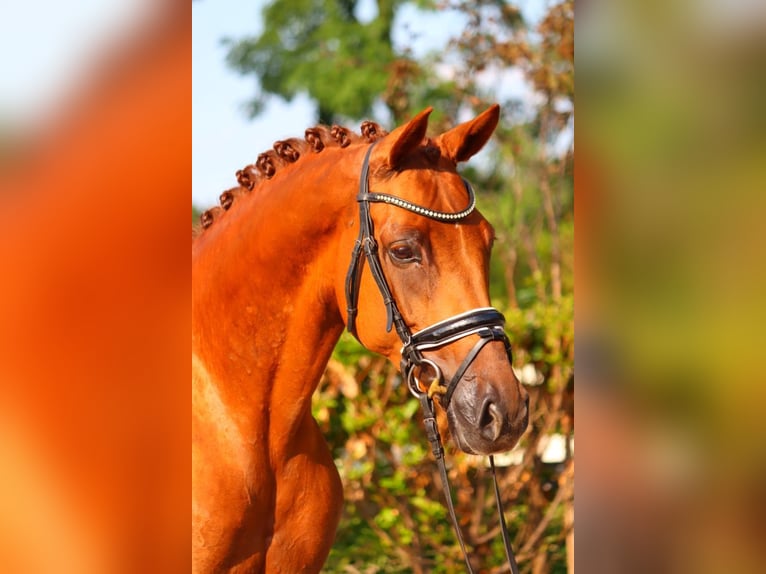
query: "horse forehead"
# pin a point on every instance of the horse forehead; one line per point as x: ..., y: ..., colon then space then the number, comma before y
x: 434, y: 189
x: 440, y: 191
x: 471, y: 238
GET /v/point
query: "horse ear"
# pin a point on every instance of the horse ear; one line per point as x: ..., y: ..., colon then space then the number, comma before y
x: 406, y: 138
x: 463, y: 141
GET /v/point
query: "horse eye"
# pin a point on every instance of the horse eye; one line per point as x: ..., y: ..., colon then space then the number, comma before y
x: 402, y: 252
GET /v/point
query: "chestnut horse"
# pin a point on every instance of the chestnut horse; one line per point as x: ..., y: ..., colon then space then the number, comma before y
x: 271, y: 272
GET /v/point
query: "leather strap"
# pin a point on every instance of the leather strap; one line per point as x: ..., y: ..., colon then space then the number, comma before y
x: 503, y: 527
x: 367, y: 248
x: 444, y: 332
x: 432, y: 432
x: 464, y: 366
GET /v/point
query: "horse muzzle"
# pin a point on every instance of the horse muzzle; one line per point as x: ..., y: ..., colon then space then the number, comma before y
x: 483, y: 422
x: 486, y: 414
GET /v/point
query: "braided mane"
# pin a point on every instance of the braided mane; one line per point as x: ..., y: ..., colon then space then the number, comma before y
x: 285, y: 152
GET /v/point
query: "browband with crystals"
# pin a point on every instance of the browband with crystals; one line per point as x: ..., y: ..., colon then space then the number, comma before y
x: 430, y: 213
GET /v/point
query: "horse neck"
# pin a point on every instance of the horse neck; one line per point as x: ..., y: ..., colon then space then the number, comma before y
x: 265, y: 314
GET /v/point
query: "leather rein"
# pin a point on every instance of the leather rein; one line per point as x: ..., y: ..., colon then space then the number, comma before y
x: 486, y: 322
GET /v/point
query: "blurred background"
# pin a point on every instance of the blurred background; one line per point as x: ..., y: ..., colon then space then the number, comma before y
x: 95, y: 169
x: 268, y: 70
x: 670, y: 282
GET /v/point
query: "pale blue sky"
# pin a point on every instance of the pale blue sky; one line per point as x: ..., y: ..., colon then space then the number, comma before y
x: 224, y: 140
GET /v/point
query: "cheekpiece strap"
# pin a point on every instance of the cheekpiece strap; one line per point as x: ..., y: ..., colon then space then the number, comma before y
x: 367, y: 248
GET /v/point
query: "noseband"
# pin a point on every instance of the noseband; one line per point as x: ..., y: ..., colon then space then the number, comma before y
x: 486, y: 322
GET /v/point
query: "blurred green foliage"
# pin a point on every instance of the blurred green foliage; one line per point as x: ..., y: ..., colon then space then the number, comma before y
x: 394, y: 518
x: 322, y: 48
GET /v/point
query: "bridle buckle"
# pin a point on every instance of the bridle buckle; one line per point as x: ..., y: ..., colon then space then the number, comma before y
x: 413, y: 383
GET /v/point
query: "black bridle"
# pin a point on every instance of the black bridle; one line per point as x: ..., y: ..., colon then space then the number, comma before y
x: 486, y: 322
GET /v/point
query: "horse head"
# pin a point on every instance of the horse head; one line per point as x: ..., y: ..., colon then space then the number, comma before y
x: 426, y: 250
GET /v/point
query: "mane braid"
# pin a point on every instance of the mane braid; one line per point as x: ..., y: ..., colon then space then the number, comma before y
x: 227, y: 197
x: 285, y: 152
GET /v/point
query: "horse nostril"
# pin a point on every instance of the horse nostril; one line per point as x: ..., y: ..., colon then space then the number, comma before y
x: 490, y: 421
